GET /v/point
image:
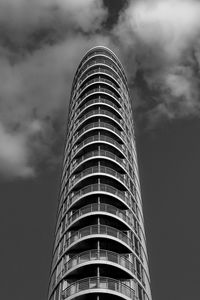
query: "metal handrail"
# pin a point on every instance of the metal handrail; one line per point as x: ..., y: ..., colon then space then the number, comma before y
x: 74, y: 196
x: 98, y: 169
x: 97, y: 80
x: 100, y: 89
x: 96, y: 254
x: 95, y: 61
x: 98, y: 229
x: 103, y: 90
x: 99, y: 70
x: 99, y: 153
x: 96, y: 90
x: 98, y: 111
x: 100, y: 52
x: 104, y: 283
x: 102, y: 207
x: 97, y: 138
x: 98, y: 100
x: 98, y: 125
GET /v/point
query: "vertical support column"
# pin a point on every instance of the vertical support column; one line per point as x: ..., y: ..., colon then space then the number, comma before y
x: 99, y: 149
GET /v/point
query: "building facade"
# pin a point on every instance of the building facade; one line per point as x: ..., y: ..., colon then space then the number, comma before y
x: 100, y: 245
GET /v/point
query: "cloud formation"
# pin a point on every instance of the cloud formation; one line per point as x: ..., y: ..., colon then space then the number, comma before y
x: 79, y: 14
x: 41, y: 43
x: 162, y: 40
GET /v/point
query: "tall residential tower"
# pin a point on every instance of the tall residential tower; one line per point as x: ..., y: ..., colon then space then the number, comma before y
x: 100, y: 245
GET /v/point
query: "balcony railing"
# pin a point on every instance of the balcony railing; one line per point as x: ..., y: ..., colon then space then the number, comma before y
x: 79, y: 101
x: 98, y: 125
x: 101, y: 138
x: 104, y: 153
x: 102, y: 207
x: 100, y: 70
x: 98, y: 100
x: 100, y: 52
x: 99, y: 90
x: 103, y: 283
x: 96, y: 230
x: 97, y: 80
x: 98, y: 112
x: 95, y: 61
x: 98, y: 169
x: 74, y: 196
x: 103, y: 255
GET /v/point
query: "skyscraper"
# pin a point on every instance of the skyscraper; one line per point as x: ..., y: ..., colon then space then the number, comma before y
x: 100, y: 245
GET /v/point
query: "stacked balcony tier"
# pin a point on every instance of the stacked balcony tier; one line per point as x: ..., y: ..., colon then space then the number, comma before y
x: 100, y: 245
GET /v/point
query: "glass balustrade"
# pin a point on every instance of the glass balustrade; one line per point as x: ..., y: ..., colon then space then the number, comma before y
x: 103, y: 153
x: 105, y: 59
x: 98, y: 169
x: 102, y: 255
x: 98, y: 100
x: 124, y: 196
x: 105, y: 112
x: 100, y: 52
x: 98, y: 230
x: 95, y: 61
x: 99, y: 70
x: 100, y: 138
x: 99, y: 90
x: 102, y: 207
x: 80, y: 100
x: 98, y: 125
x: 97, y: 80
x: 94, y: 91
x: 97, y: 112
x: 103, y: 283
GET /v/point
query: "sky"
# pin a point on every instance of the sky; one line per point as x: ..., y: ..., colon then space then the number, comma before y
x: 41, y: 44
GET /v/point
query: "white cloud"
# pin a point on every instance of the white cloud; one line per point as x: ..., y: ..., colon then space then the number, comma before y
x: 35, y: 84
x: 161, y: 38
x: 37, y: 65
x: 83, y: 14
x: 169, y: 24
x: 14, y: 158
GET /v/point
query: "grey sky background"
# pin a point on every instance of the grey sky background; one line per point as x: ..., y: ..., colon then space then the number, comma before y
x: 41, y: 44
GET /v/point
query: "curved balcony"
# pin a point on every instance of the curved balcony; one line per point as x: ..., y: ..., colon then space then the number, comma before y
x: 102, y: 91
x: 97, y: 101
x: 118, y: 108
x: 97, y: 80
x: 103, y: 285
x: 99, y: 71
x: 98, y: 170
x: 98, y: 138
x: 101, y: 256
x: 103, y: 52
x: 100, y: 153
x: 122, y: 162
x: 128, y: 218
x: 99, y: 231
x: 101, y: 138
x: 95, y: 60
x: 97, y: 112
x: 102, y: 59
x: 99, y: 125
x: 101, y: 188
x: 100, y: 205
